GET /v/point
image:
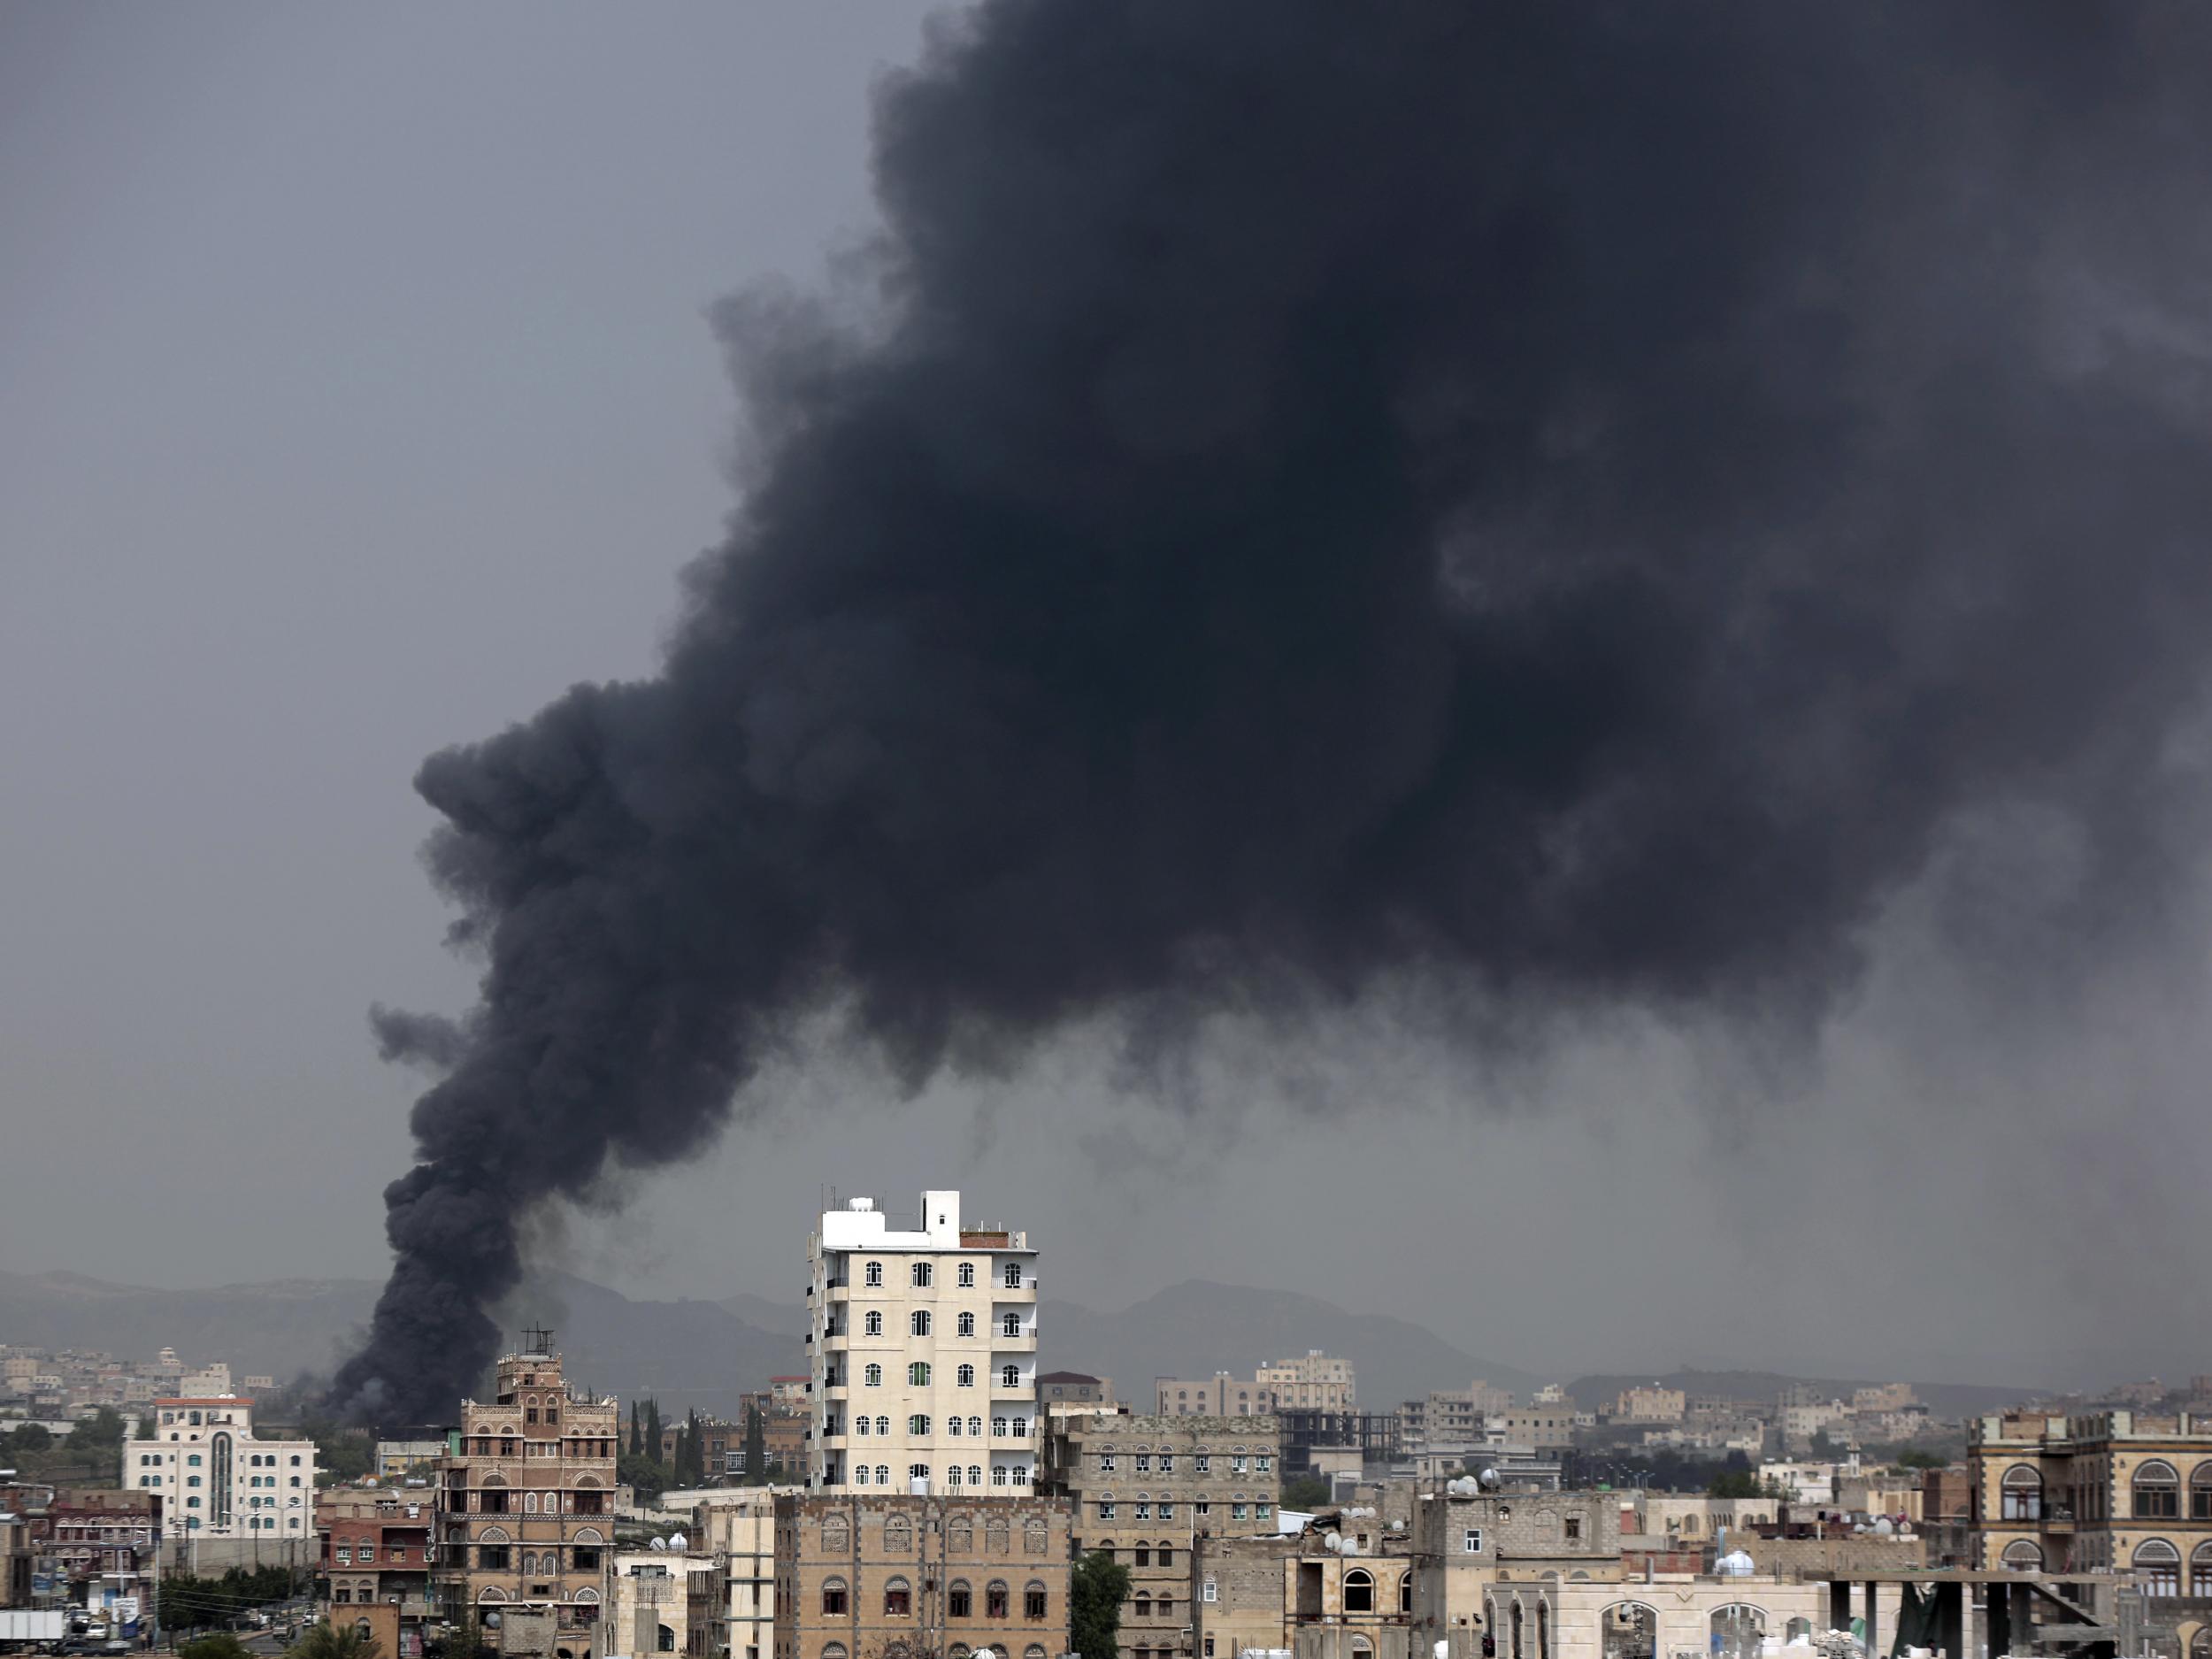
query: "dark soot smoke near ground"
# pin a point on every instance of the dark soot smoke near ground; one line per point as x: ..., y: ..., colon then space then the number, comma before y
x: 1570, y: 498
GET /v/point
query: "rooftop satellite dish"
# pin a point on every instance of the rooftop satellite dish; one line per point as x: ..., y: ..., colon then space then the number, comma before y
x: 676, y: 1540
x: 659, y: 1543
x: 1489, y: 1479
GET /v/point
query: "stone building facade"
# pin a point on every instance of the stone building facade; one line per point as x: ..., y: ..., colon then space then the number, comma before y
x: 2106, y: 1492
x: 868, y: 1577
x: 377, y: 1548
x: 1461, y: 1541
x: 923, y: 1347
x: 216, y: 1478
x: 526, y: 1499
x: 1144, y: 1490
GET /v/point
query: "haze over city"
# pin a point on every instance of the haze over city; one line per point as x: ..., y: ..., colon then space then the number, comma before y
x: 359, y: 396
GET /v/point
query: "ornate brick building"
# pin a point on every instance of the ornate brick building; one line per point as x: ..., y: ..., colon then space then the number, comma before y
x: 883, y: 1577
x: 526, y: 1497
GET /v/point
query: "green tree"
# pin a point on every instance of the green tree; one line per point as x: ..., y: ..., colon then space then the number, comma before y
x: 32, y: 1437
x: 1305, y: 1492
x: 1734, y: 1483
x: 328, y: 1641
x: 103, y: 1431
x: 221, y: 1645
x: 1824, y: 1447
x: 1096, y: 1589
x: 644, y: 1473
x: 637, y: 1431
x: 653, y: 1429
x: 1913, y: 1458
x: 755, y: 1448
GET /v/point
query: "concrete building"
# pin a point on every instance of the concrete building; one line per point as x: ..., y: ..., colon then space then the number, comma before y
x: 650, y: 1596
x: 923, y: 1347
x: 1652, y: 1404
x: 733, y: 1613
x: 1314, y: 1381
x: 1535, y: 1615
x: 863, y: 1576
x: 2110, y: 1491
x: 1145, y: 1490
x: 378, y: 1547
x: 1694, y: 1519
x: 1451, y: 1418
x: 396, y: 1460
x: 96, y: 1546
x: 215, y: 1478
x: 1220, y: 1395
x: 1075, y: 1394
x: 1544, y: 1427
x: 1461, y: 1540
x: 526, y: 1501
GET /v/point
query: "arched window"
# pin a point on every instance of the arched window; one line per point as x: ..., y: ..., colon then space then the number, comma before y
x: 836, y: 1538
x: 967, y: 1324
x: 960, y: 1533
x: 192, y: 1460
x: 1361, y: 1645
x: 860, y: 1474
x: 2201, y: 1493
x: 1359, y: 1591
x: 1144, y: 1605
x: 975, y: 1426
x: 918, y: 1374
x: 860, y: 1423
x: 898, y: 1599
x: 975, y: 1471
x: 529, y: 1503
x: 2022, y: 1494
x: 1013, y: 1276
x: 873, y: 1275
x: 1035, y: 1650
x: 833, y: 1650
x: 2157, y: 1568
x: 1010, y: 1325
x: 872, y: 1377
x: 967, y: 1275
x: 921, y: 1275
x: 1628, y: 1629
x: 898, y: 1533
x: 959, y: 1601
x: 996, y: 1534
x: 833, y: 1598
x: 2200, y: 1569
x: 872, y: 1323
x: 996, y: 1601
x: 921, y: 1321
x: 492, y: 1592
x: 2022, y: 1555
x: 665, y: 1639
x: 883, y: 1471
x: 1405, y: 1593
x: 1737, y: 1631
x: 2157, y: 1492
x: 1011, y: 1376
x: 1036, y: 1539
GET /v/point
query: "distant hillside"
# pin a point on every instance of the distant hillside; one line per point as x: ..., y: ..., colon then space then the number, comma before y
x: 689, y: 1353
x: 1943, y: 1400
x: 1196, y: 1328
x: 281, y: 1326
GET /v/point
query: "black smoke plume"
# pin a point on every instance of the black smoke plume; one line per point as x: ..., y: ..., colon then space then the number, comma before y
x: 1567, y: 498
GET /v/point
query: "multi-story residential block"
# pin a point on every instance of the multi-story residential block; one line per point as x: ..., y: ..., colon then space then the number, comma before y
x: 378, y: 1550
x: 214, y: 1476
x: 527, y: 1498
x: 1299, y: 1594
x: 96, y: 1546
x: 2106, y: 1492
x: 1652, y: 1404
x: 733, y: 1614
x: 1075, y: 1394
x: 1314, y: 1381
x: 652, y: 1594
x: 1464, y: 1541
x: 1144, y: 1490
x: 860, y: 1576
x: 923, y: 1348
x: 1546, y: 1427
x: 396, y: 1460
x: 1220, y: 1395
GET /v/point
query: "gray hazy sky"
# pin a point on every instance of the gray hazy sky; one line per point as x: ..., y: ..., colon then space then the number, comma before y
x: 356, y: 397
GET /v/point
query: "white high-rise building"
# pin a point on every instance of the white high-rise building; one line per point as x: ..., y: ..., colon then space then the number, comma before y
x: 215, y: 1478
x: 923, y: 1353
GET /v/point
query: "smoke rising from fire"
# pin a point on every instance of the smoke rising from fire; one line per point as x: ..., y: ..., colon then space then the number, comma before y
x: 1571, y: 500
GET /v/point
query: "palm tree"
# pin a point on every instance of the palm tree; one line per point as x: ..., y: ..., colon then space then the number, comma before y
x: 327, y: 1640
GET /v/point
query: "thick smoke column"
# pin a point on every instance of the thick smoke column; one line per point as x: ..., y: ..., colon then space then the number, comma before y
x: 1570, y: 498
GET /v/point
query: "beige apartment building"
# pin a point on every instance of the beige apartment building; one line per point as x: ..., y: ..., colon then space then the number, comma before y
x: 216, y: 1478
x: 1652, y: 1404
x: 923, y: 1344
x: 526, y: 1499
x: 1145, y: 1490
x: 1317, y: 1382
x: 2106, y: 1492
x: 873, y: 1577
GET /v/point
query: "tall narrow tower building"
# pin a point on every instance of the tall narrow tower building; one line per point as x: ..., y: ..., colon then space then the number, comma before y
x: 923, y: 1348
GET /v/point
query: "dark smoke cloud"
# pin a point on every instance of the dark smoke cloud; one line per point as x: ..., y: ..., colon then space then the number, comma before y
x: 1568, y: 499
